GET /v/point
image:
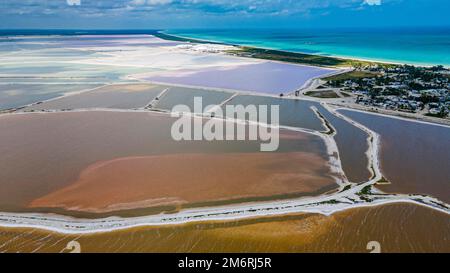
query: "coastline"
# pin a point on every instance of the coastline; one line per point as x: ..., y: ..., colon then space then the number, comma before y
x: 243, y: 48
x: 335, y: 56
x: 324, y: 204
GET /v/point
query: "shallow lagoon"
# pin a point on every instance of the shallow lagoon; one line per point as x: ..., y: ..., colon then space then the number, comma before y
x: 414, y: 156
x: 16, y: 95
x: 183, y: 95
x: 264, y: 77
x: 295, y: 113
x: 352, y: 145
x: 54, y: 148
x: 120, y: 96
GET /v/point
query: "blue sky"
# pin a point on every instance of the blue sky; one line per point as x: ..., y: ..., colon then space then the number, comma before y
x: 148, y: 14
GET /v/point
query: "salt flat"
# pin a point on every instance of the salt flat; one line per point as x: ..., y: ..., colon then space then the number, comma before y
x: 110, y: 59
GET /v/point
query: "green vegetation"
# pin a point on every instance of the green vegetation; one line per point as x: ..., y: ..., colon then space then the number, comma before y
x: 383, y: 180
x: 442, y: 114
x: 299, y: 58
x: 371, y: 167
x: 330, y: 130
x: 352, y: 75
x: 325, y: 94
x: 439, y: 204
x: 365, y: 191
x: 332, y: 202
x: 283, y: 56
x: 346, y: 188
x: 180, y: 39
x: 366, y: 199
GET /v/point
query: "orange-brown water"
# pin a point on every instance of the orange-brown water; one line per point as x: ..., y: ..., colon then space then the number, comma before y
x: 397, y: 227
x: 44, y: 153
x: 138, y: 182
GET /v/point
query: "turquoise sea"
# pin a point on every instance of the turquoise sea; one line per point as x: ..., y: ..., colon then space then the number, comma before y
x: 422, y: 46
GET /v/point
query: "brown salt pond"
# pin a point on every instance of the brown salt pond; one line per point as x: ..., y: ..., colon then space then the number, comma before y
x: 352, y: 145
x: 69, y: 159
x: 414, y: 156
x: 136, y: 182
x: 397, y: 227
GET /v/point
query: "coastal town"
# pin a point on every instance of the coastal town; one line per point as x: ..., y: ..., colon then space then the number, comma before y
x: 406, y: 88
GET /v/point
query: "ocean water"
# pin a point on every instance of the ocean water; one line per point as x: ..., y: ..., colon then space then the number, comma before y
x: 422, y: 46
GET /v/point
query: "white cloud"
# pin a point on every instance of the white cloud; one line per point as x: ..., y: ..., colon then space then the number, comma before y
x: 159, y: 2
x: 372, y: 2
x: 150, y: 2
x: 73, y: 2
x: 145, y: 8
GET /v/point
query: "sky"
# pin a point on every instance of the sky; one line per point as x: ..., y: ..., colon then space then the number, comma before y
x: 177, y: 14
